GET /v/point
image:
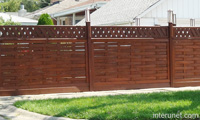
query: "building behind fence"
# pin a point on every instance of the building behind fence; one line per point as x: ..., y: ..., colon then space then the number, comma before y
x: 50, y: 59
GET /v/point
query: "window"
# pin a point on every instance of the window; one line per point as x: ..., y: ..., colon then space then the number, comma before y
x: 76, y: 21
x: 63, y: 22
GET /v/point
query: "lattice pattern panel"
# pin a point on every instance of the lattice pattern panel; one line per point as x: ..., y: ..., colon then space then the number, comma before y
x: 39, y: 64
x: 42, y: 32
x: 186, y: 32
x: 129, y: 32
x: 187, y: 62
x: 130, y: 62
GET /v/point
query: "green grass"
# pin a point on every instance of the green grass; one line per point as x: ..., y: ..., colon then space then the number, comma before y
x: 121, y: 107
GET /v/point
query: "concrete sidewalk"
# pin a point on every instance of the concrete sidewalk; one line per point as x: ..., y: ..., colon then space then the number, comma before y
x: 9, y: 112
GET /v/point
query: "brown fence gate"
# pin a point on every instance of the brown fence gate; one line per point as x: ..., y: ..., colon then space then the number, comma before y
x: 50, y: 59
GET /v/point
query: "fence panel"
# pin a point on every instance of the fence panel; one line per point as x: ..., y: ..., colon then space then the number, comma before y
x: 130, y: 57
x: 41, y: 65
x: 186, y: 56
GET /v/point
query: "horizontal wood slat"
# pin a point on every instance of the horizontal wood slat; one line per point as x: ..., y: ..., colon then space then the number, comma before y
x: 187, y: 61
x: 44, y: 64
x: 48, y: 59
x: 132, y: 62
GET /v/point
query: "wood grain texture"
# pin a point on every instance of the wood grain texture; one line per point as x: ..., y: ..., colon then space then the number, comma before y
x: 49, y: 59
x: 28, y: 65
x: 13, y: 32
x: 131, y: 62
x: 187, y: 57
x: 129, y: 32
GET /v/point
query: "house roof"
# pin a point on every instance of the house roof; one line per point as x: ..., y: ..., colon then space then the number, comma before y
x: 55, y: 8
x: 88, y: 2
x: 120, y: 11
x: 12, y: 13
x: 22, y: 20
x: 81, y: 7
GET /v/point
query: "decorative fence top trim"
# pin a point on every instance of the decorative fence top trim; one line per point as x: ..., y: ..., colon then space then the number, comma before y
x: 80, y: 32
x: 129, y: 32
x: 186, y: 32
x: 8, y: 32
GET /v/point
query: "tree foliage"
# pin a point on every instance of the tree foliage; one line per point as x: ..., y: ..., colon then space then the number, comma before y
x: 11, y: 6
x: 45, y: 19
x: 30, y: 5
x: 8, y: 22
x: 44, y: 3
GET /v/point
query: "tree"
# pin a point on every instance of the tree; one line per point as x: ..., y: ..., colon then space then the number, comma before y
x: 11, y: 5
x: 45, y: 19
x: 30, y: 5
x: 8, y: 22
x: 44, y: 3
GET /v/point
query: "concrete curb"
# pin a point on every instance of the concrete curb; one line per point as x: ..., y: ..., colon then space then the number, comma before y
x: 36, y: 116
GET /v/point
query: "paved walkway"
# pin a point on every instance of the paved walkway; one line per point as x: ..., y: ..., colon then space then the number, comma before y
x: 9, y: 112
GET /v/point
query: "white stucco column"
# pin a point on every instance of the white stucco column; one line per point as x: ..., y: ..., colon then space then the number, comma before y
x: 58, y: 20
x: 74, y: 19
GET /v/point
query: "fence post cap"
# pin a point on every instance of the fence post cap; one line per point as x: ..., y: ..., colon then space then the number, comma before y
x: 87, y: 15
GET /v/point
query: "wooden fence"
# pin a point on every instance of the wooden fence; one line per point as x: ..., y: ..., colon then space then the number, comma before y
x: 186, y: 56
x: 50, y: 59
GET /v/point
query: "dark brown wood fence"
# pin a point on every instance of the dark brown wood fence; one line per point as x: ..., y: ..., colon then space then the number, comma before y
x: 130, y: 57
x: 49, y: 59
x: 186, y: 56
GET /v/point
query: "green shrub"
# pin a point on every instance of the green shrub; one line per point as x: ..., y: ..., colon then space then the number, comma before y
x: 45, y: 19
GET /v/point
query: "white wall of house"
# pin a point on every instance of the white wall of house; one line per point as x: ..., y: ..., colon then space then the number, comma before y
x: 181, y: 22
x: 184, y: 9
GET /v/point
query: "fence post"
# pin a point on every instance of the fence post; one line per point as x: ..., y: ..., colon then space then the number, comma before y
x: 89, y: 50
x: 90, y: 56
x: 171, y: 54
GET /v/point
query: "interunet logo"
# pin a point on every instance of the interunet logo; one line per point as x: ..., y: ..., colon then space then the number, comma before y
x: 178, y: 115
